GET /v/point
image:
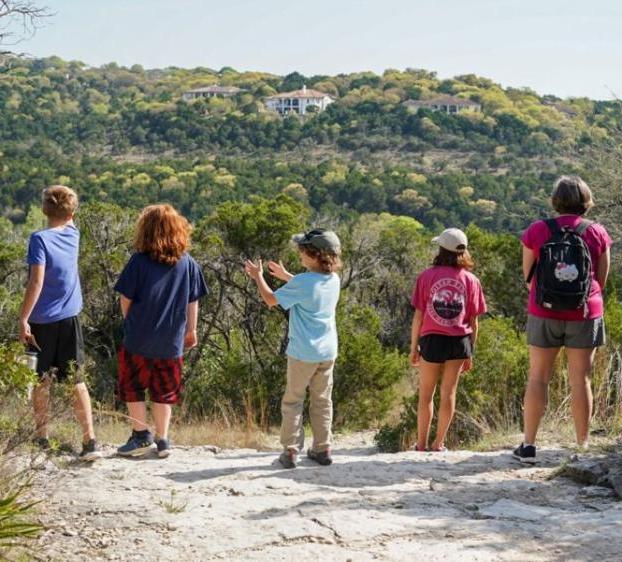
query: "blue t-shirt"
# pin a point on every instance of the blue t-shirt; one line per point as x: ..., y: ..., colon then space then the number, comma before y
x: 311, y: 299
x: 155, y: 325
x: 57, y: 249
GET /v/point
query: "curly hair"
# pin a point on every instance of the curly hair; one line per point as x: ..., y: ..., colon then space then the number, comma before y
x: 462, y: 260
x: 329, y: 262
x: 162, y: 233
x: 59, y: 201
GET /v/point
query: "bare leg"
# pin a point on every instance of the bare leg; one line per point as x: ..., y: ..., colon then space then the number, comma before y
x: 449, y: 385
x: 41, y: 407
x: 162, y: 417
x: 579, y: 369
x: 428, y: 377
x: 541, y: 362
x: 82, y: 408
x: 138, y: 415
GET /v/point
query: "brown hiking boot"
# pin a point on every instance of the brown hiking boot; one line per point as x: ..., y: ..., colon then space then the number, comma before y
x: 321, y: 457
x: 289, y: 458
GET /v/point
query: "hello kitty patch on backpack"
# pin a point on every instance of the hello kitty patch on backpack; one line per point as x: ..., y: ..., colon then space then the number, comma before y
x: 563, y: 269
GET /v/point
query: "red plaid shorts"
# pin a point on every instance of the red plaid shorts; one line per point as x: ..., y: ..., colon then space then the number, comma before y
x: 162, y: 377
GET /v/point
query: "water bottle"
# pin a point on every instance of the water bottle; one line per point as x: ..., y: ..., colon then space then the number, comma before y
x: 30, y: 359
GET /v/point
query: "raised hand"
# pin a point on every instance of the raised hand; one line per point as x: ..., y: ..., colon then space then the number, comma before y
x: 254, y: 271
x: 278, y: 271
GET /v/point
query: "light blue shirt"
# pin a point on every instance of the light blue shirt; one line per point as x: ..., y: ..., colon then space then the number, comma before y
x: 311, y: 299
x: 57, y: 250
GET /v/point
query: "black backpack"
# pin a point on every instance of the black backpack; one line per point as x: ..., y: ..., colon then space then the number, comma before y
x: 563, y: 269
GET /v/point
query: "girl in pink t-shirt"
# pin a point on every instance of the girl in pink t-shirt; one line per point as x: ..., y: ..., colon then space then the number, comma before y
x: 580, y: 331
x: 447, y: 299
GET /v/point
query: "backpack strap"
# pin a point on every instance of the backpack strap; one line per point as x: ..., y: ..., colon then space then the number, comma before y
x: 583, y: 226
x: 554, y: 228
x: 531, y: 272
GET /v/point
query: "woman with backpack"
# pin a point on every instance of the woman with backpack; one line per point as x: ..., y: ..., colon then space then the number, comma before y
x: 565, y: 264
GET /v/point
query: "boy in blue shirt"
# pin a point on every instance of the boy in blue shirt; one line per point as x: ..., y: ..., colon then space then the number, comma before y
x: 311, y: 299
x: 49, y: 321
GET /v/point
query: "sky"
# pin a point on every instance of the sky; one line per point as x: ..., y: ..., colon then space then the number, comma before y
x: 567, y: 48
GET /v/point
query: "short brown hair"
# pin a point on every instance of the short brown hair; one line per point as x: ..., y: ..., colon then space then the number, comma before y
x: 328, y: 261
x: 59, y: 202
x: 571, y: 196
x: 162, y: 233
x: 462, y: 260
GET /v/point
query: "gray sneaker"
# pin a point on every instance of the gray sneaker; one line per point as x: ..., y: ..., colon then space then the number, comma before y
x: 289, y: 458
x: 164, y: 448
x: 90, y: 451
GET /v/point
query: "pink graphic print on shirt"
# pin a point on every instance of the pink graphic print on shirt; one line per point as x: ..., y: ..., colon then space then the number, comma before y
x: 447, y: 302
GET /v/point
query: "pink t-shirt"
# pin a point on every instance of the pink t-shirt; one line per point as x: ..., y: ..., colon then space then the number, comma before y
x: 448, y: 297
x: 596, y: 239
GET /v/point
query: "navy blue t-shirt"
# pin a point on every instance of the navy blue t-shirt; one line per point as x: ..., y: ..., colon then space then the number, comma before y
x: 156, y: 322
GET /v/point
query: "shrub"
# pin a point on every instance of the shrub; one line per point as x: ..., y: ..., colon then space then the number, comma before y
x: 366, y: 372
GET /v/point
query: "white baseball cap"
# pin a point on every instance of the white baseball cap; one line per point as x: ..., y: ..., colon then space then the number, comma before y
x: 452, y: 239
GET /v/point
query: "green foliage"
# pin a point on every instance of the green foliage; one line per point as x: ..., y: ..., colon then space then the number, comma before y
x: 366, y: 372
x: 16, y: 513
x: 260, y: 227
x: 498, y: 260
x: 16, y: 376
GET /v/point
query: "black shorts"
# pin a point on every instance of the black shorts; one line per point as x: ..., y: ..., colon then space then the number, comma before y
x: 435, y: 348
x: 62, y: 348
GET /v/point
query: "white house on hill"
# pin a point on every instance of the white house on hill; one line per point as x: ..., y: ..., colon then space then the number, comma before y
x: 445, y: 104
x: 298, y: 101
x: 211, y: 92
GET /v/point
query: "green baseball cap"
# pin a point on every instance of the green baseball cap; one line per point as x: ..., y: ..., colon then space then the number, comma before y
x: 320, y: 239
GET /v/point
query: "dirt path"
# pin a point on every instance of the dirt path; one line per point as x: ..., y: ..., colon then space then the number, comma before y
x: 240, y: 505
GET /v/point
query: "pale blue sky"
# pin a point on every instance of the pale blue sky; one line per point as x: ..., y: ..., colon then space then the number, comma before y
x: 562, y: 47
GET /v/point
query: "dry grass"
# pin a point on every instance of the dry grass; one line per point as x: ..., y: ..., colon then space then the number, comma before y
x: 113, y: 428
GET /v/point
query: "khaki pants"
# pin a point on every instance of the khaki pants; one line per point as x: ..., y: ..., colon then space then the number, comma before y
x: 319, y: 378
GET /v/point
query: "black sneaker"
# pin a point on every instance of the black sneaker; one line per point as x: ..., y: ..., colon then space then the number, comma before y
x: 164, y: 447
x: 525, y: 453
x: 139, y: 443
x: 90, y: 451
x: 321, y: 457
x: 289, y: 458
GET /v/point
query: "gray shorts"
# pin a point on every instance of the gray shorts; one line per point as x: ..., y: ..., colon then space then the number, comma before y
x: 581, y: 334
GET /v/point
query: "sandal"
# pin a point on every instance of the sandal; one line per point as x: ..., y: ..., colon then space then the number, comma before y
x: 439, y: 449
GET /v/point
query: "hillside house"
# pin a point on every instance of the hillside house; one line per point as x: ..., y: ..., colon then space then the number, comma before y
x: 446, y: 104
x: 211, y: 92
x: 298, y: 101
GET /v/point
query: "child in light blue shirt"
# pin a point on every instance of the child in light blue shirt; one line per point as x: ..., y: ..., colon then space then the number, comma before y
x: 311, y: 299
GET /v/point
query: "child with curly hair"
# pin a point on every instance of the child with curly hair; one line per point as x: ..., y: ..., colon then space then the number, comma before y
x: 160, y: 289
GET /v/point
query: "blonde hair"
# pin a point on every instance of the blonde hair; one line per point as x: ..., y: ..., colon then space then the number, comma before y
x: 571, y: 196
x: 59, y: 201
x: 162, y: 233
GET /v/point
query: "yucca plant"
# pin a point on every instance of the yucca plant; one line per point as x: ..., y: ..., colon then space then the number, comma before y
x: 15, y: 523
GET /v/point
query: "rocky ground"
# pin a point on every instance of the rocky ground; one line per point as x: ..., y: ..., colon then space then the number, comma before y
x: 204, y: 504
